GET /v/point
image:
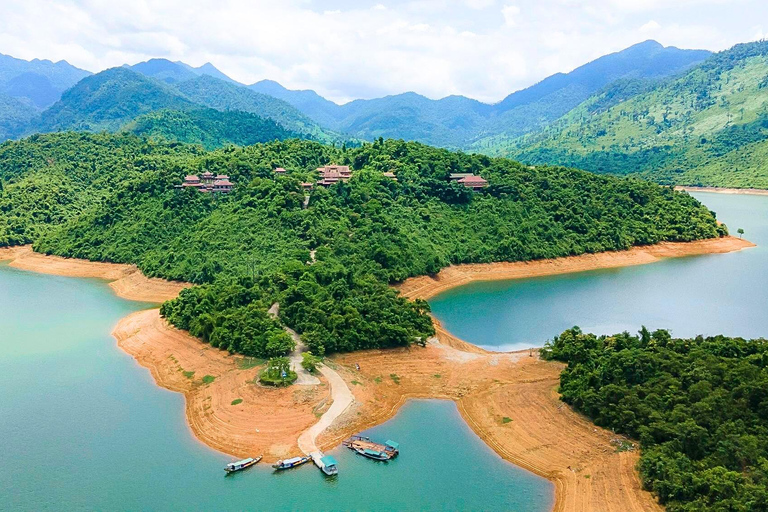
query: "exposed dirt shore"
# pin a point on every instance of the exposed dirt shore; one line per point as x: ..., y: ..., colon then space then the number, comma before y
x: 126, y: 280
x: 508, y: 399
x: 425, y: 287
x: 718, y: 190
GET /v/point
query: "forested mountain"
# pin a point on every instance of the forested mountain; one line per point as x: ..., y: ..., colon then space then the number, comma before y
x: 115, y: 98
x: 172, y: 72
x: 459, y: 122
x: 209, y: 127
x: 699, y: 408
x: 108, y: 100
x: 14, y: 116
x: 221, y: 95
x: 309, y: 102
x: 37, y: 83
x: 113, y: 197
x: 707, y: 127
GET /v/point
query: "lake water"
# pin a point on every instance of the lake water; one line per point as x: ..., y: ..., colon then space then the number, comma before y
x: 710, y: 294
x: 83, y: 427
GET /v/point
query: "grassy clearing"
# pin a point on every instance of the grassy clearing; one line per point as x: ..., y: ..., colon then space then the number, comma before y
x: 207, y: 379
x: 237, y: 401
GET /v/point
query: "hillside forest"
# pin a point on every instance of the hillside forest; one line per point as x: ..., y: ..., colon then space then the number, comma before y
x: 113, y: 197
x: 698, y: 406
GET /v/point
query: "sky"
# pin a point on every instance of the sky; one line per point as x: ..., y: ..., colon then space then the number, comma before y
x: 347, y: 49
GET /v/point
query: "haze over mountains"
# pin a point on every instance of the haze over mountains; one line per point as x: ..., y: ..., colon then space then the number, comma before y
x: 635, y: 110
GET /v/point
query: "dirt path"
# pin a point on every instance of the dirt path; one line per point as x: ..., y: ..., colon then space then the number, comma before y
x: 304, y: 378
x: 342, y: 398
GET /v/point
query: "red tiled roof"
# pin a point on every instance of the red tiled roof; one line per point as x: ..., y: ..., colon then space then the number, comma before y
x: 473, y: 179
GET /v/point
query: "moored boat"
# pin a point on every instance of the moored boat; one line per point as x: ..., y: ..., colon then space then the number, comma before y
x: 371, y: 449
x: 329, y: 466
x: 291, y: 463
x: 240, y: 465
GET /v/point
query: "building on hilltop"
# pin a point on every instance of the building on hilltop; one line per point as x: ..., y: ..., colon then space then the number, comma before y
x: 331, y: 174
x: 208, y: 182
x: 456, y: 176
x: 280, y: 171
x: 390, y: 175
x: 474, y: 182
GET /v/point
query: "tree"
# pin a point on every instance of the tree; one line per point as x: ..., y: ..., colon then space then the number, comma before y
x: 278, y: 372
x: 309, y: 362
x: 740, y: 231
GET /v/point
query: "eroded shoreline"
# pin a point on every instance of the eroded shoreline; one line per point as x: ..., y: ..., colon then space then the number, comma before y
x: 508, y: 399
x: 719, y: 190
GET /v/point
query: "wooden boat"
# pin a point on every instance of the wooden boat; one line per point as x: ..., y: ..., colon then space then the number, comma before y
x: 291, y: 463
x: 371, y: 449
x: 240, y: 465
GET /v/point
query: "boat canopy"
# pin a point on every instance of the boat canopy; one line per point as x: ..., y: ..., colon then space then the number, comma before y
x: 291, y: 461
x: 240, y: 462
x: 328, y: 461
x: 372, y: 452
x: 393, y: 445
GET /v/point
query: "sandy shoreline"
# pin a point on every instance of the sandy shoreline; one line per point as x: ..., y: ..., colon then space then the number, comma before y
x: 508, y: 399
x: 126, y: 281
x: 718, y: 190
x: 426, y: 287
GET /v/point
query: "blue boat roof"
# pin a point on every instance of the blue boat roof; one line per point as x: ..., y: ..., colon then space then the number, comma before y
x: 372, y: 452
x: 328, y: 460
x: 392, y: 444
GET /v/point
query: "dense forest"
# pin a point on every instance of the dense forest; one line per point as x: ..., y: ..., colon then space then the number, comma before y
x: 113, y: 198
x: 706, y: 127
x: 698, y: 406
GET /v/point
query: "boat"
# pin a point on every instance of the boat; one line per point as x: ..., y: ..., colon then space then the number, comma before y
x: 329, y: 466
x: 240, y: 465
x: 371, y: 449
x: 291, y: 463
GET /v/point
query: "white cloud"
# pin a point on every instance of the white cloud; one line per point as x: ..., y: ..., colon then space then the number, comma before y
x: 510, y: 13
x: 651, y: 26
x: 346, y: 48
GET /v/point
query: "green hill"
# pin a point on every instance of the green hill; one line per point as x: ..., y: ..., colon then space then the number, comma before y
x: 221, y: 95
x: 113, y: 197
x: 14, y: 116
x: 697, y: 406
x: 707, y: 127
x: 209, y: 127
x: 107, y: 101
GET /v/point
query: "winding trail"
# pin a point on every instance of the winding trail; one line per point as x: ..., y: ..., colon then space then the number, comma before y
x: 341, y: 395
x: 342, y: 399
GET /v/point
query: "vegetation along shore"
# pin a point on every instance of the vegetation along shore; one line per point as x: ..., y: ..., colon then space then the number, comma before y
x: 326, y: 233
x: 508, y: 399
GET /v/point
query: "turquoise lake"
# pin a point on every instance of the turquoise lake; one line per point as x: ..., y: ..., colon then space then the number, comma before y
x: 84, y: 427
x: 710, y: 294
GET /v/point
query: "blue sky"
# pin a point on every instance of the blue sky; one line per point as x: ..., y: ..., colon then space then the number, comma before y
x: 345, y: 49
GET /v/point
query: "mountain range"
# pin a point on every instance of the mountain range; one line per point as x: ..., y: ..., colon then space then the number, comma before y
x: 708, y: 126
x: 458, y: 122
x: 675, y: 116
x: 113, y: 98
